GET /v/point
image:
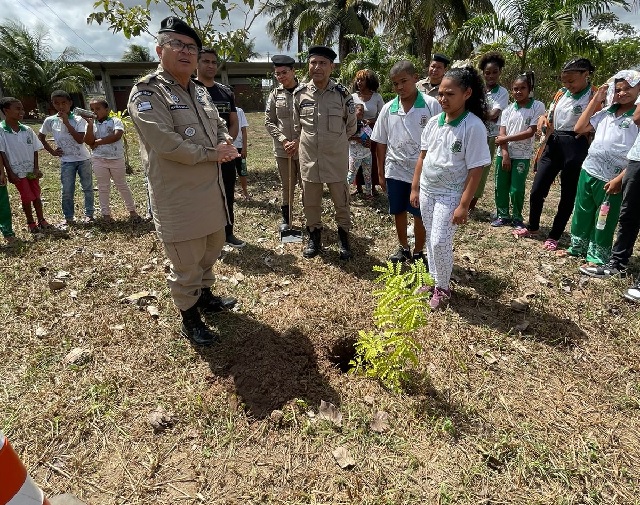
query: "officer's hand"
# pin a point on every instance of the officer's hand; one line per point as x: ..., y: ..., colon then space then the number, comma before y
x: 226, y: 152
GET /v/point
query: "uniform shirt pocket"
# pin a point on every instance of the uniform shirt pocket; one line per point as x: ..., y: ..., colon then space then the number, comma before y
x: 187, y: 124
x: 336, y: 120
x: 308, y: 117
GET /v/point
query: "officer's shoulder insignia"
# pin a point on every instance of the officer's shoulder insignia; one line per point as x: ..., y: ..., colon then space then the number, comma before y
x: 343, y: 91
x: 301, y: 86
x: 147, y: 78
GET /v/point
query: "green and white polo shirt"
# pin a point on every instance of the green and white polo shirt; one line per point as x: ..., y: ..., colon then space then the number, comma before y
x: 517, y: 119
x: 72, y: 150
x: 569, y: 109
x: 452, y: 149
x: 19, y: 147
x: 401, y: 132
x: 497, y: 99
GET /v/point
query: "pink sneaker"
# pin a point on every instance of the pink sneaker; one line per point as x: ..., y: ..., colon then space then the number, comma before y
x: 440, y: 299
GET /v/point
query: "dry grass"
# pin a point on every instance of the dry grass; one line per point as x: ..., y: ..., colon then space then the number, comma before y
x: 554, y: 420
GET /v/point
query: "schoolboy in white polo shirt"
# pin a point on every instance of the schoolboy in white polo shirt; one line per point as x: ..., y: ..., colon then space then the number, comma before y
x: 19, y: 147
x: 603, y: 169
x: 75, y: 159
x: 397, y: 132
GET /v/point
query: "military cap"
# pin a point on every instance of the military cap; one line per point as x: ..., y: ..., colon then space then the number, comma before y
x: 282, y: 60
x: 441, y: 58
x: 176, y: 25
x: 325, y: 51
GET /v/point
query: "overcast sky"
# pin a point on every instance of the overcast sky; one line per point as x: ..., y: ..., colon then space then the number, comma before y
x: 66, y: 22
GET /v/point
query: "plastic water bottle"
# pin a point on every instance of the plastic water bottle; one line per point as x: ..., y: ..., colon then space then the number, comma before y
x: 244, y: 164
x: 602, y: 217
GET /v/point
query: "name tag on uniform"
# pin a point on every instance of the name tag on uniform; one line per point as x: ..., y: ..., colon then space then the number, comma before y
x: 144, y: 92
x: 174, y: 107
x: 281, y: 101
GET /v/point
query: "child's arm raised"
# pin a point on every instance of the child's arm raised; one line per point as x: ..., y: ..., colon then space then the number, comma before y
x: 77, y: 136
x: 584, y: 126
x: 89, y: 135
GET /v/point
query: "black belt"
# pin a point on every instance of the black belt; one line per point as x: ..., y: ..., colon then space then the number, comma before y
x: 565, y: 133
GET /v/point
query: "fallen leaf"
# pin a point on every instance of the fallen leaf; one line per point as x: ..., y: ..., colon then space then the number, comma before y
x: 519, y: 346
x: 141, y: 298
x: 543, y: 280
x: 276, y: 416
x: 261, y: 240
x: 380, y: 422
x: 239, y: 276
x: 98, y: 255
x: 520, y: 304
x: 160, y: 419
x: 369, y: 400
x: 153, y: 311
x: 77, y: 356
x: 233, y: 281
x: 41, y: 332
x: 73, y: 294
x: 343, y: 458
x: 117, y: 327
x: 488, y: 357
x: 57, y: 284
x: 330, y: 412
x: 146, y: 268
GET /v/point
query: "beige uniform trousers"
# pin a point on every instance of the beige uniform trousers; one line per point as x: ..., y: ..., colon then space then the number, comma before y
x: 287, y: 182
x: 312, y: 201
x: 191, y: 266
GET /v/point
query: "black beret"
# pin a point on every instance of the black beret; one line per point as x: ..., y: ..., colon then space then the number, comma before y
x: 282, y: 60
x: 441, y: 58
x: 176, y: 25
x: 325, y: 51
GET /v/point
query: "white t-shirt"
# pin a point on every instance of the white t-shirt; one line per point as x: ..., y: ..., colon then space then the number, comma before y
x: 452, y: 149
x: 401, y: 132
x: 242, y: 123
x: 569, y: 109
x: 19, y: 147
x: 517, y: 119
x: 72, y: 151
x: 372, y: 107
x: 614, y: 136
x: 109, y: 126
x: 497, y: 98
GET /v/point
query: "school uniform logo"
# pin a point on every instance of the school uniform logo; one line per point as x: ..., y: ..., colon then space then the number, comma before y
x: 625, y: 123
x: 456, y: 147
x: 423, y: 121
x: 577, y: 109
x: 520, y: 168
x: 29, y: 141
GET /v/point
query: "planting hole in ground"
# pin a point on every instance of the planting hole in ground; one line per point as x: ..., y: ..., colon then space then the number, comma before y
x: 342, y: 353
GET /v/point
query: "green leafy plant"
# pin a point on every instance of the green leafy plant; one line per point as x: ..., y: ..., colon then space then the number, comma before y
x: 400, y: 310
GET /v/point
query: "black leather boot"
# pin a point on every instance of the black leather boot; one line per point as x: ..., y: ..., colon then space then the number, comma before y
x: 210, y: 303
x: 345, y: 250
x: 194, y: 329
x: 314, y: 243
x: 284, y: 226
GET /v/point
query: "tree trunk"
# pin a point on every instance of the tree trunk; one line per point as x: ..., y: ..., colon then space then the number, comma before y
x: 425, y: 45
x: 344, y: 45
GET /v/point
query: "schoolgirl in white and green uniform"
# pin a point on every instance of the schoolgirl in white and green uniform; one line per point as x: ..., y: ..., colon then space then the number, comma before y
x: 602, y: 171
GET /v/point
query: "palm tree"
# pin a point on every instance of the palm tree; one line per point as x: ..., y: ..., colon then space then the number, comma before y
x: 550, y: 28
x: 419, y: 22
x: 285, y: 23
x: 27, y: 69
x: 137, y: 54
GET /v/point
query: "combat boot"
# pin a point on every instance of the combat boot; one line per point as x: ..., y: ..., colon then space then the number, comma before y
x: 284, y: 226
x: 210, y: 303
x: 314, y: 243
x: 194, y: 329
x: 345, y: 250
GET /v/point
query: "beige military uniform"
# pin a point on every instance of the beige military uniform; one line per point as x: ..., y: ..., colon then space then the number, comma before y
x: 323, y: 121
x: 427, y: 88
x: 278, y: 118
x: 179, y: 130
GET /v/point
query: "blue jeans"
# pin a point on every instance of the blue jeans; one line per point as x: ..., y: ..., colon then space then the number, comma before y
x: 68, y: 171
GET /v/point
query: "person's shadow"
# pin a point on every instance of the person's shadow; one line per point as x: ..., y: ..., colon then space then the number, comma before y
x: 268, y: 368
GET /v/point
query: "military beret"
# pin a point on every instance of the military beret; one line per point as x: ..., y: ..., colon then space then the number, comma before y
x: 441, y: 58
x: 176, y: 25
x: 282, y: 60
x: 325, y: 51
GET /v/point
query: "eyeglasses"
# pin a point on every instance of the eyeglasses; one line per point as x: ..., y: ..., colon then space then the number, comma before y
x: 284, y: 72
x: 177, y: 45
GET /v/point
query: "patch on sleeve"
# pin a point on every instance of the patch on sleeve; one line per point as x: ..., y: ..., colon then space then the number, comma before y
x: 351, y: 105
x: 144, y: 106
x: 175, y: 106
x: 144, y: 92
x: 343, y: 91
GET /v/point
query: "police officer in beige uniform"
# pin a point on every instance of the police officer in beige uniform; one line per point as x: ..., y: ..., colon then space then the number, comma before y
x: 182, y: 142
x: 324, y: 119
x: 437, y: 68
x: 278, y: 119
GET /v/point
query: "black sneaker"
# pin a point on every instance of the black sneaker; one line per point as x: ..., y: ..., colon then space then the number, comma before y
x: 611, y: 269
x: 633, y: 293
x: 233, y: 241
x: 400, y: 256
x: 417, y: 256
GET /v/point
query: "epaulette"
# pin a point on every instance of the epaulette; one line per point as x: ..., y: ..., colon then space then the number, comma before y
x: 147, y: 78
x: 343, y: 91
x: 300, y: 87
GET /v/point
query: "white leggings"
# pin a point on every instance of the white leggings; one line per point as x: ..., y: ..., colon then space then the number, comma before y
x: 106, y: 170
x: 437, y: 215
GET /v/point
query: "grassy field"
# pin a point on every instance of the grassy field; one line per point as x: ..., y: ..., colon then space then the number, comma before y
x: 540, y: 407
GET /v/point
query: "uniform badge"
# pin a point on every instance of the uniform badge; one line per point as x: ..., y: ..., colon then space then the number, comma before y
x: 577, y: 109
x: 423, y: 121
x: 144, y: 92
x: 144, y: 106
x: 352, y: 107
x: 456, y: 147
x: 169, y: 22
x: 625, y: 123
x: 29, y: 141
x: 190, y: 131
x: 175, y: 98
x: 520, y: 168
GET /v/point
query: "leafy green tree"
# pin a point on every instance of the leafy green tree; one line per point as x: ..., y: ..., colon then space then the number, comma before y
x: 28, y: 69
x: 619, y: 54
x: 551, y: 28
x: 610, y: 21
x: 284, y: 24
x: 134, y: 21
x: 417, y: 24
x: 136, y: 53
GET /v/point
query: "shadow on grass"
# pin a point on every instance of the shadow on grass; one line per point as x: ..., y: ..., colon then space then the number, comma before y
x: 257, y: 260
x: 485, y: 283
x: 543, y: 327
x: 268, y: 368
